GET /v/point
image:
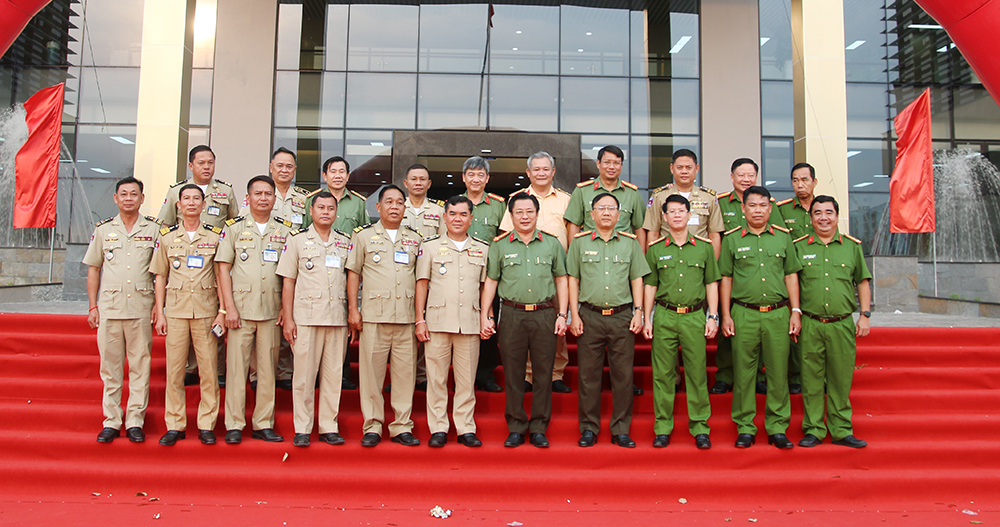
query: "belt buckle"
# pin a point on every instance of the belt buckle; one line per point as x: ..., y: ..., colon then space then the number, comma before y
x: 765, y: 309
x: 683, y: 310
x: 607, y: 312
x: 530, y: 307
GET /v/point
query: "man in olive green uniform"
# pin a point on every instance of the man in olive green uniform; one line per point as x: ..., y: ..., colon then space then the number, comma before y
x: 633, y: 208
x: 528, y: 270
x: 833, y: 267
x: 758, y: 266
x: 351, y: 212
x: 684, y: 287
x: 605, y: 270
x: 706, y: 218
x: 220, y: 200
x: 384, y: 256
x: 120, y: 292
x: 251, y: 293
x: 187, y: 312
x: 450, y: 271
x: 314, y: 316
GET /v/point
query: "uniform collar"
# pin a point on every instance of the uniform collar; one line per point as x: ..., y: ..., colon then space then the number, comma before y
x: 690, y: 239
x: 514, y: 236
x: 837, y: 237
x: 797, y: 203
x: 486, y: 198
x: 769, y: 229
x: 530, y: 191
x: 595, y: 235
x: 598, y: 186
x: 409, y: 204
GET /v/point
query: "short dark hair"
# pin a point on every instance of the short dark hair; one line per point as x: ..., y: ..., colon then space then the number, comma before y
x: 190, y: 186
x: 612, y: 149
x: 824, y: 199
x: 758, y: 190
x: 676, y: 198
x: 684, y: 152
x: 196, y: 150
x: 127, y: 181
x: 602, y: 195
x: 265, y: 179
x: 336, y: 159
x: 387, y: 188
x: 416, y: 166
x: 520, y: 196
x: 744, y: 161
x: 458, y: 200
x: 283, y: 150
x: 323, y: 194
x: 812, y: 171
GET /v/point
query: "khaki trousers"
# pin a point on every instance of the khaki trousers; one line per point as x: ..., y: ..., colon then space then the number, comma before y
x: 182, y: 332
x: 461, y: 352
x: 395, y: 345
x: 116, y: 340
x: 241, y: 344
x: 318, y: 350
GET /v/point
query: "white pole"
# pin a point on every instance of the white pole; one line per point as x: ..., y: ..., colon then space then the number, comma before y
x: 934, y: 248
x: 52, y: 247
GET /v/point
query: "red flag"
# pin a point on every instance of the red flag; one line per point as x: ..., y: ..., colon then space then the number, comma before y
x: 14, y: 15
x: 911, y: 189
x: 37, y: 163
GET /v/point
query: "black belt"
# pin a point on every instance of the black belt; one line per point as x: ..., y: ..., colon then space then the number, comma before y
x: 528, y: 307
x: 682, y: 309
x: 762, y: 309
x: 606, y: 310
x: 826, y: 320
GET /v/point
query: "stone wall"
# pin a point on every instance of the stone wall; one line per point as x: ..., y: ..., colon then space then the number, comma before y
x: 894, y: 286
x: 979, y: 282
x: 30, y: 266
x: 75, y: 276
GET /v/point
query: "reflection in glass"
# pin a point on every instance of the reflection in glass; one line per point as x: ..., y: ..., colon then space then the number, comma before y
x: 335, y: 49
x: 289, y: 37
x: 776, y: 167
x: 867, y: 209
x: 777, y: 108
x: 451, y: 101
x: 197, y: 136
x: 311, y: 147
x: 100, y: 156
x: 917, y: 45
x: 453, y: 38
x: 309, y: 99
x: 204, y: 34
x: 867, y: 110
x: 383, y: 38
x: 651, y: 157
x: 201, y: 97
x: 868, y: 165
x: 776, y: 39
x: 590, y: 145
x: 665, y: 40
x: 864, y: 40
x: 525, y: 39
x: 112, y: 33
x: 665, y: 106
x: 370, y: 154
x: 286, y: 98
x: 381, y: 100
x: 594, y: 41
x: 594, y: 105
x: 109, y: 95
x: 977, y: 115
x: 524, y: 103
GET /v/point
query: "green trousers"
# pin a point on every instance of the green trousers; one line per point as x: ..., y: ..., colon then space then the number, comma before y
x: 672, y: 330
x: 828, y: 354
x: 795, y: 362
x: 724, y: 360
x: 760, y: 336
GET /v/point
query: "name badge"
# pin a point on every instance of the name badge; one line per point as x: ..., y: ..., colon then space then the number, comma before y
x: 297, y: 218
x: 333, y: 261
x: 270, y: 255
x: 693, y: 220
x: 214, y: 211
x: 195, y: 262
x: 401, y: 257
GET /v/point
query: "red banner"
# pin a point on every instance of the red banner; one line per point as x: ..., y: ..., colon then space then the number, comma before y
x: 36, y: 166
x: 14, y: 15
x: 911, y: 189
x: 972, y: 25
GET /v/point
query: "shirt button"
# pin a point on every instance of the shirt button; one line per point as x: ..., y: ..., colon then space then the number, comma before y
x: 765, y: 294
x: 682, y: 261
x: 763, y: 279
x: 128, y: 281
x: 827, y: 288
x: 826, y: 274
x: 397, y: 297
x: 762, y: 265
x: 460, y: 305
x: 529, y: 274
x: 606, y: 287
x: 605, y: 272
x: 529, y: 290
x: 128, y: 296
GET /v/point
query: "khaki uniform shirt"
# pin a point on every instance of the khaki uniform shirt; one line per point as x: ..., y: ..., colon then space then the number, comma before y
x: 706, y: 217
x: 188, y: 265
x: 123, y: 258
x: 320, y: 276
x: 551, y: 210
x: 351, y: 212
x: 387, y: 269
x: 291, y: 208
x: 486, y: 216
x: 797, y: 219
x: 453, y: 289
x: 731, y: 207
x: 633, y: 208
x: 256, y: 289
x: 830, y: 274
x: 758, y: 264
x: 428, y: 221
x: 220, y: 204
x: 526, y: 272
x: 681, y: 272
x: 606, y: 268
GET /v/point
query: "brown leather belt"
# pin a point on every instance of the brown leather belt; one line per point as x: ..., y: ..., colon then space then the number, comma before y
x: 682, y: 309
x: 606, y: 310
x: 762, y: 309
x: 529, y: 307
x: 826, y: 320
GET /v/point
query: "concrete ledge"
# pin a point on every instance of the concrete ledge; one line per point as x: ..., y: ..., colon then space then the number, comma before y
x: 961, y: 308
x: 31, y: 293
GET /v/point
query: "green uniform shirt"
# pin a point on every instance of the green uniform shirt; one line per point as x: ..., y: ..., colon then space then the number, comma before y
x: 681, y: 272
x: 830, y: 273
x: 797, y: 219
x: 758, y: 264
x: 606, y: 268
x: 732, y: 211
x: 633, y: 208
x: 486, y: 216
x: 526, y: 272
x: 351, y: 212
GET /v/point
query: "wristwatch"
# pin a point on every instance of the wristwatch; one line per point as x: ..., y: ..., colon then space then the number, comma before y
x: 866, y: 314
x: 713, y: 317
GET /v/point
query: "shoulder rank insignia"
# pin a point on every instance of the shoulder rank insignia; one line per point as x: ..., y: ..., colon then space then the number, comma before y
x: 233, y: 221
x: 498, y: 198
x: 166, y: 230
x: 852, y: 238
x: 358, y: 194
x: 409, y: 228
x: 439, y: 202
x: 656, y: 241
x: 707, y: 190
x: 178, y: 183
x: 632, y: 186
x: 583, y: 233
x: 706, y: 240
x: 784, y: 201
x: 102, y: 222
x: 480, y: 240
x: 518, y: 191
x: 221, y: 182
x: 563, y: 191
x: 154, y: 220
x: 501, y: 236
x: 313, y: 193
x: 661, y: 189
x: 433, y: 237
x: 724, y: 195
x: 300, y: 190
x: 780, y: 228
x: 282, y: 221
x: 360, y: 228
x: 297, y: 231
x: 734, y: 229
x: 340, y: 232
x: 629, y: 234
x: 213, y: 228
x: 800, y: 238
x: 585, y: 183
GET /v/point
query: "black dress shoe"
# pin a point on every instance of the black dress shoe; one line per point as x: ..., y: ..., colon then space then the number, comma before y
x: 539, y: 440
x: 851, y: 441
x: 420, y: 386
x: 346, y: 384
x: 622, y: 440
x: 172, y: 437
x: 469, y: 440
x: 370, y: 439
x: 207, y: 437
x: 135, y: 434
x: 637, y: 390
x: 222, y: 381
x: 514, y: 439
x: 489, y: 386
x: 437, y: 440
x: 780, y: 441
x: 283, y: 384
x: 761, y: 387
x: 661, y: 441
x: 253, y: 386
x: 745, y: 440
x: 720, y: 387
x: 587, y: 438
x: 233, y: 437
x: 267, y: 434
x: 300, y: 440
x: 191, y: 379
x: 702, y: 442
x: 794, y: 388
x: 108, y: 435
x: 405, y: 439
x: 331, y: 438
x: 528, y: 387
x: 560, y: 387
x: 809, y: 441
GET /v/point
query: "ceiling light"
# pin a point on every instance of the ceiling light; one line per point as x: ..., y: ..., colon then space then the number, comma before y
x: 865, y: 184
x: 855, y: 45
x: 377, y: 143
x: 122, y: 140
x: 944, y: 49
x: 451, y: 182
x: 518, y: 32
x: 881, y: 175
x: 769, y: 182
x: 924, y: 26
x: 81, y: 160
x: 378, y: 173
x: 589, y: 33
x: 680, y: 44
x: 580, y: 50
x: 852, y: 153
x: 596, y: 148
x: 520, y: 177
x: 514, y: 49
x: 763, y: 40
x: 450, y: 175
x: 383, y: 181
x: 100, y: 170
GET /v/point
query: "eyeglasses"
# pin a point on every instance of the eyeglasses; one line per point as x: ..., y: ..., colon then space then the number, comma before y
x: 611, y: 163
x: 605, y: 208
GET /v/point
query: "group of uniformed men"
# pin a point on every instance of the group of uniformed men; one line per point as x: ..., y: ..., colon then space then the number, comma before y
x: 294, y: 276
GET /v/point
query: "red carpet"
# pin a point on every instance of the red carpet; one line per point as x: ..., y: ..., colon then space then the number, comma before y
x: 925, y: 399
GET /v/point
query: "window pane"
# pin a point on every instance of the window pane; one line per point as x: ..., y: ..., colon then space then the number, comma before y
x: 370, y: 154
x: 594, y: 41
x: 591, y: 144
x: 777, y: 108
x: 112, y: 33
x: 100, y: 156
x: 109, y: 95
x: 594, y: 105
x: 977, y: 115
x: 776, y: 39
x: 867, y: 209
x: 869, y: 164
x: 311, y: 147
x: 651, y: 157
x: 665, y: 106
x: 867, y: 110
x: 204, y: 34
x: 201, y: 97
x: 289, y: 38
x: 336, y: 37
x: 453, y: 38
x: 665, y: 43
x: 309, y: 99
x: 776, y: 167
x: 524, y: 39
x: 864, y: 38
x: 524, y: 103
x: 377, y: 100
x: 451, y: 101
x: 383, y: 38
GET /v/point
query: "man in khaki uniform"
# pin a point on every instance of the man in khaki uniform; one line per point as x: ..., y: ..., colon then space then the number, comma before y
x: 706, y: 218
x: 187, y: 311
x: 251, y: 293
x: 384, y: 256
x: 315, y: 318
x: 220, y: 200
x: 120, y: 291
x: 450, y: 272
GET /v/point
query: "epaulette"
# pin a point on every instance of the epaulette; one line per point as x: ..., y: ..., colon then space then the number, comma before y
x: 233, y: 221
x: 584, y: 183
x: 358, y: 194
x: 342, y: 233
x: 780, y: 228
x: 632, y: 186
x: 178, y: 183
x: 852, y: 238
x: 221, y: 182
x: 167, y: 230
x: 656, y: 241
x: 772, y: 200
x: 583, y: 233
x: 313, y: 193
x: 501, y: 236
x: 629, y: 234
x: 707, y: 190
x: 102, y: 222
x: 154, y: 220
x: 433, y: 237
x: 300, y: 190
x: 282, y: 221
x: 563, y: 191
x: 213, y: 228
x: 734, y: 229
x: 480, y: 240
x: 661, y: 189
x: 440, y: 202
x: 724, y: 195
x: 494, y: 196
x: 414, y: 230
x: 518, y: 191
x: 360, y: 228
x: 800, y: 238
x: 784, y: 201
x: 706, y: 240
x: 298, y: 231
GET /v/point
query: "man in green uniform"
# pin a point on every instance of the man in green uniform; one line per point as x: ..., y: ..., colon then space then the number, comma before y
x: 633, y: 208
x: 605, y: 270
x: 833, y: 267
x: 758, y: 266
x: 684, y: 287
x: 528, y: 269
x: 706, y: 218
